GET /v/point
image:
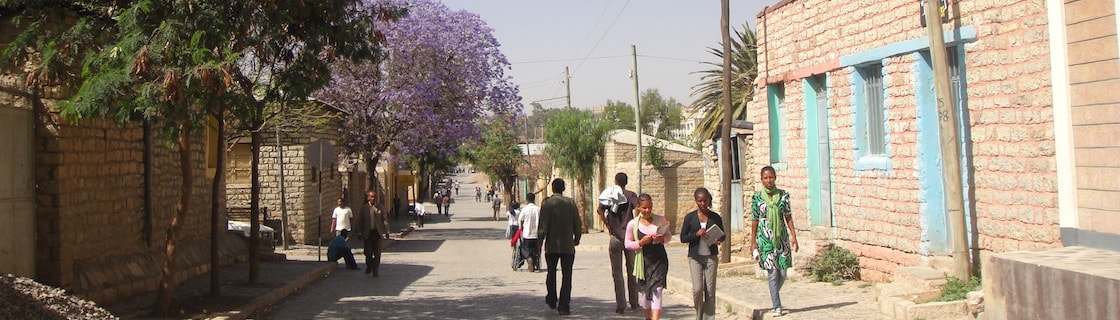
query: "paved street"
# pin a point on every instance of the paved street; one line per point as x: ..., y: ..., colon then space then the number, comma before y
x: 458, y: 267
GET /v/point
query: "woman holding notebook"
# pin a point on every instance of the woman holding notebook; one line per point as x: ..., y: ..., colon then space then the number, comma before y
x: 703, y: 252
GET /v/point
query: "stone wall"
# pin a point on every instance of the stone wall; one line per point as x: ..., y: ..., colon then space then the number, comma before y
x: 670, y: 186
x: 301, y: 187
x: 877, y: 212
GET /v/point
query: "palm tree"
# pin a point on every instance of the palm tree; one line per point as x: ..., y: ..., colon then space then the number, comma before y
x: 708, y: 93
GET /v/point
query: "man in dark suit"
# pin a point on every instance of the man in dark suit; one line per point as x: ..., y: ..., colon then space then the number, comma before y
x: 559, y: 229
x: 373, y: 227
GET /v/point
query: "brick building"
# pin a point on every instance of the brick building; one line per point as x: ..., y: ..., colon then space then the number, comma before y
x: 847, y: 115
x: 1083, y: 276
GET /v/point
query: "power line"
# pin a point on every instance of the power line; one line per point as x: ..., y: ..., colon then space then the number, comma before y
x: 592, y: 30
x: 567, y: 60
x: 608, y: 31
x: 668, y: 58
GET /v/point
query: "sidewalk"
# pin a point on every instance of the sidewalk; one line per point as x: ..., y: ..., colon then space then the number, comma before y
x: 278, y: 280
x: 747, y: 295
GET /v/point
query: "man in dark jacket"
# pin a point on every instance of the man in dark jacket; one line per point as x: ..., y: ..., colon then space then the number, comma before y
x: 559, y: 229
x: 371, y: 223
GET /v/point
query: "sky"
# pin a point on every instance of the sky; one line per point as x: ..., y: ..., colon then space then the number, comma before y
x: 593, y: 38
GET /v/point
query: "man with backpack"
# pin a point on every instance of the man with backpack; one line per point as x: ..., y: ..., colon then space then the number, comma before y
x: 616, y: 209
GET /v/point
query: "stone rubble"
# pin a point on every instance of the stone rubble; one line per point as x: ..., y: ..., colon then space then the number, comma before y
x: 23, y: 298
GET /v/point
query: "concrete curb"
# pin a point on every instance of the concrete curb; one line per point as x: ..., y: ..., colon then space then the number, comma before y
x: 276, y: 295
x: 724, y: 302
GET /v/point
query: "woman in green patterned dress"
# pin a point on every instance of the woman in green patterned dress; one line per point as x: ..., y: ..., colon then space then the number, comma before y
x: 774, y: 235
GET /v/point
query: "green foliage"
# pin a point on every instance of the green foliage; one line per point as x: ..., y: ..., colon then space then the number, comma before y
x: 709, y: 92
x: 836, y: 264
x: 497, y: 154
x: 659, y: 115
x: 655, y: 154
x: 619, y: 114
x: 957, y: 289
x: 575, y: 142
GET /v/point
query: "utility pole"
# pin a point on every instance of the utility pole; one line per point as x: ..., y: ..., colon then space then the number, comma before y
x: 568, y: 87
x: 725, y: 129
x: 637, y: 113
x: 950, y: 148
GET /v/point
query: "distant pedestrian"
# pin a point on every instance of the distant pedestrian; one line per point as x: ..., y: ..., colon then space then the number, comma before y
x: 437, y: 199
x: 338, y: 249
x: 340, y: 219
x: 616, y: 210
x: 447, y: 202
x: 496, y: 204
x: 456, y: 188
x: 528, y: 219
x: 477, y: 194
x: 703, y: 252
x: 420, y: 210
x: 773, y: 234
x: 375, y: 228
x: 559, y: 229
x: 647, y: 235
x: 511, y: 218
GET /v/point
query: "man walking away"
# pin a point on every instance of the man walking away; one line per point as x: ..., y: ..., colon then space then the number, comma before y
x: 496, y: 203
x: 559, y: 228
x: 529, y: 219
x: 616, y: 209
x: 372, y: 223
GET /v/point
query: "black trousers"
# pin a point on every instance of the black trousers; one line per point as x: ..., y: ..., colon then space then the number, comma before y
x: 372, y: 251
x: 564, y: 301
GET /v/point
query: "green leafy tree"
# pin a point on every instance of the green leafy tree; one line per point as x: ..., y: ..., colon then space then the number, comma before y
x: 655, y: 112
x: 537, y: 119
x: 498, y: 154
x: 174, y: 62
x: 575, y: 143
x: 619, y: 114
x: 708, y: 93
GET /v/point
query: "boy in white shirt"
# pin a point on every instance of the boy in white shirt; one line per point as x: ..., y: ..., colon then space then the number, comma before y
x: 340, y: 219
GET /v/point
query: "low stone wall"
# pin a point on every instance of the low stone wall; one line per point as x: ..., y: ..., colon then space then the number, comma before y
x: 1070, y: 282
x: 115, y: 278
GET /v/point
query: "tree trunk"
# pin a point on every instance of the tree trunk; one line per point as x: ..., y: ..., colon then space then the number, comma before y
x: 581, y: 201
x: 167, y: 278
x: 255, y: 208
x: 216, y: 201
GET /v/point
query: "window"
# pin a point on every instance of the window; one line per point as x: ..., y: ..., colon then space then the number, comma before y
x: 875, y: 113
x: 736, y: 168
x: 870, y: 135
x: 776, y: 104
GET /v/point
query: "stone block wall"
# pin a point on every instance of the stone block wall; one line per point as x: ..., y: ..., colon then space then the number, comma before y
x: 670, y: 187
x: 876, y: 212
x: 91, y: 225
x: 301, y: 187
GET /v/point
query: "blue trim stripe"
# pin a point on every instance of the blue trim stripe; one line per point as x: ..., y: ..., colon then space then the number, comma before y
x: 952, y: 37
x: 931, y: 195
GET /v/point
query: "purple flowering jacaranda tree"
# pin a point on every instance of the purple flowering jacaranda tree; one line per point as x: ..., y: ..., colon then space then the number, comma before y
x: 443, y: 71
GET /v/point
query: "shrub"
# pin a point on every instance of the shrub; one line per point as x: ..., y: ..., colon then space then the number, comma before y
x: 655, y: 154
x: 957, y: 289
x: 836, y: 264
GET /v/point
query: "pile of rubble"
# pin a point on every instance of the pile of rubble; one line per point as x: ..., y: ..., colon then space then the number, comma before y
x: 23, y: 298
